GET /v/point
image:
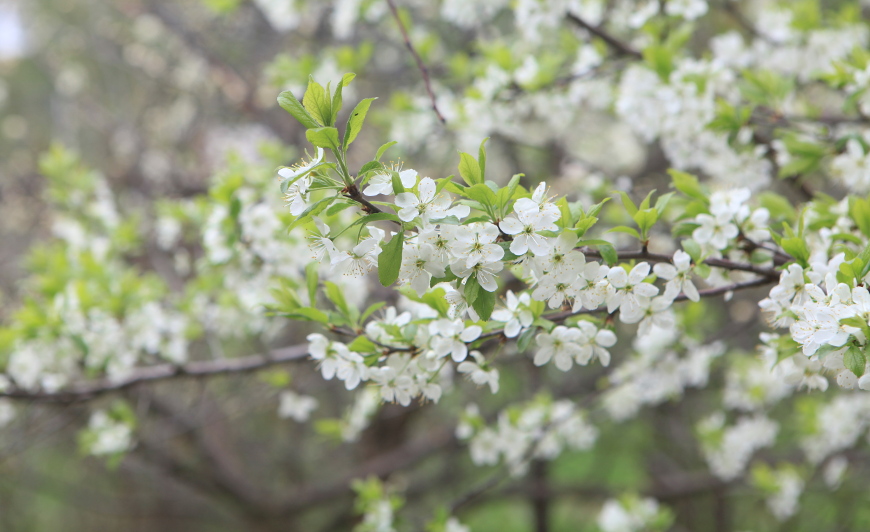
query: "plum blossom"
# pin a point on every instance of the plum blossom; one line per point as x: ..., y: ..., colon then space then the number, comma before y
x: 563, y: 256
x: 475, y: 243
x: 538, y: 203
x: 516, y: 315
x: 300, y: 170
x: 591, y: 287
x: 628, y: 289
x: 555, y: 288
x: 419, y: 264
x: 715, y: 230
x: 594, y: 344
x: 524, y: 226
x: 382, y: 183
x: 484, y: 272
x: 427, y: 206
x: 679, y: 277
x: 479, y: 372
x: 561, y: 345
x: 450, y: 337
x: 295, y: 406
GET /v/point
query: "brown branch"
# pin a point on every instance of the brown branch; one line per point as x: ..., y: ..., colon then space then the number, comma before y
x: 717, y: 263
x: 558, y: 317
x: 163, y: 372
x: 618, y: 46
x: 422, y: 67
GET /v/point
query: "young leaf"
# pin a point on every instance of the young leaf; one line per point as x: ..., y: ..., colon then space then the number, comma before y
x: 371, y: 310
x: 688, y: 185
x: 361, y: 344
x: 311, y: 279
x: 316, y: 102
x: 855, y: 361
x: 290, y: 104
x: 608, y: 254
x: 629, y: 205
x: 355, y: 122
x: 334, y: 294
x: 390, y: 259
x: 324, y: 137
x: 481, y: 158
x: 525, y: 339
x: 484, y: 304
x: 469, y: 169
x: 368, y: 218
x: 625, y: 229
x: 382, y: 149
x: 398, y: 187
x: 472, y: 290
x: 312, y: 210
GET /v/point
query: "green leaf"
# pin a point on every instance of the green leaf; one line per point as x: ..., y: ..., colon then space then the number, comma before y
x: 688, y: 185
x: 472, y: 290
x: 336, y: 295
x: 324, y: 137
x: 854, y: 360
x: 484, y: 304
x: 626, y: 201
x: 864, y: 256
x: 584, y: 225
x: 525, y: 339
x: 608, y: 254
x: 797, y: 248
x: 338, y: 207
x: 505, y: 194
x: 508, y: 254
x: 390, y: 259
x: 645, y: 220
x: 355, y: 123
x: 662, y: 203
x: 660, y: 59
x: 312, y: 210
x: 778, y: 206
x: 398, y: 187
x: 312, y: 278
x: 481, y: 158
x: 481, y: 194
x: 337, y: 98
x: 595, y: 209
x: 383, y: 149
x: 361, y: 344
x: 469, y: 169
x: 370, y: 166
x: 859, y: 211
x: 307, y: 314
x: 625, y: 229
x: 290, y: 104
x: 368, y: 218
x: 316, y: 102
x: 433, y: 298
x: 442, y: 183
x: 693, y: 249
x: 372, y: 309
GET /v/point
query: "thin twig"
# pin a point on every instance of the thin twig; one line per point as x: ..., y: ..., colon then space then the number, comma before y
x: 618, y: 46
x: 423, y: 70
x: 164, y: 372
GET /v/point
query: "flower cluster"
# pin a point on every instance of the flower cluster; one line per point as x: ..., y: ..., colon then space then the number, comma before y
x: 540, y: 429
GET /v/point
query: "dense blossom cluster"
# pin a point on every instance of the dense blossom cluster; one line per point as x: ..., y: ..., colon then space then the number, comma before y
x: 492, y: 273
x: 541, y: 429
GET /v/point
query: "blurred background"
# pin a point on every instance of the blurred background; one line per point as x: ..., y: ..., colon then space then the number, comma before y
x: 159, y: 96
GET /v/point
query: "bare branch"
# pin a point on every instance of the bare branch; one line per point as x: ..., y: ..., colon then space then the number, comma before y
x: 618, y: 46
x: 423, y: 70
x: 163, y: 372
